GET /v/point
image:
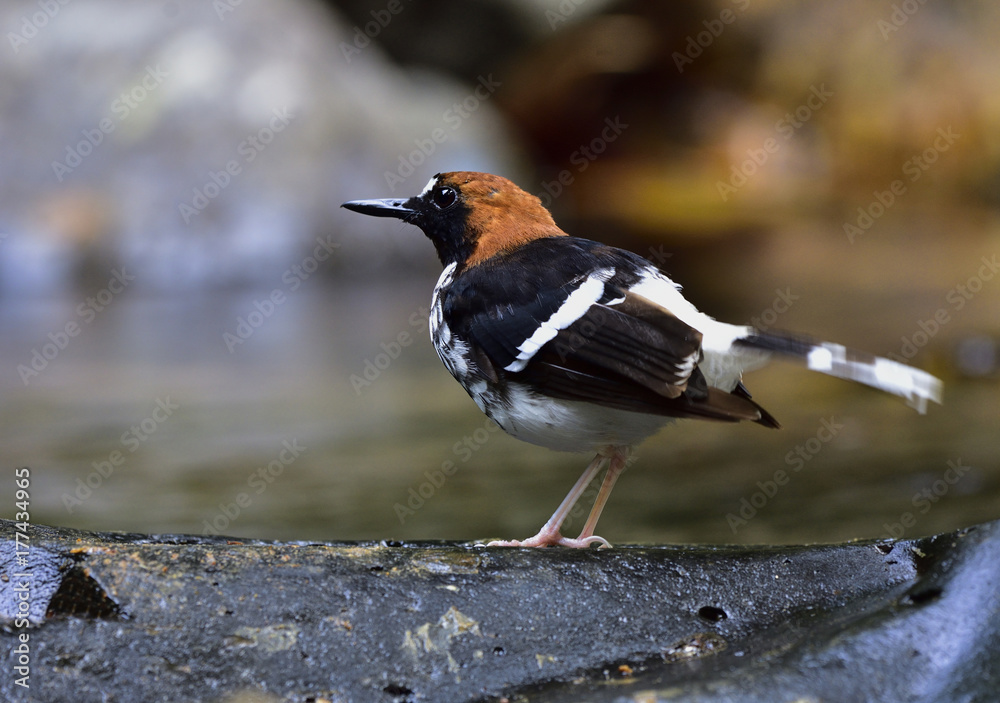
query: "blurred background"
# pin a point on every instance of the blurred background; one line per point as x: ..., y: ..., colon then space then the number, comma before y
x: 194, y: 337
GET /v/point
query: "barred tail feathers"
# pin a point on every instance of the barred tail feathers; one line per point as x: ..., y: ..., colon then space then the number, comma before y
x: 916, y: 386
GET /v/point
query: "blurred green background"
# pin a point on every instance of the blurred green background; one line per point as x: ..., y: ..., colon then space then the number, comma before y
x: 195, y: 338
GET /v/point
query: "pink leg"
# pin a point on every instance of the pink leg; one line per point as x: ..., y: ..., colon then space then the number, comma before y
x: 615, y: 469
x: 549, y: 534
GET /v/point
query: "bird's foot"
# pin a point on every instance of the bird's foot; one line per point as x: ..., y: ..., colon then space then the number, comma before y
x: 585, y: 542
x: 552, y: 539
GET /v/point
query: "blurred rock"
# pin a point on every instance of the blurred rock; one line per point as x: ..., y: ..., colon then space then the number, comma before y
x: 745, y: 116
x: 208, y: 144
x: 218, y: 139
x: 455, y: 37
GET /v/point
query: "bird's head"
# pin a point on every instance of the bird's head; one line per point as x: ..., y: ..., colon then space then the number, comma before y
x: 469, y: 216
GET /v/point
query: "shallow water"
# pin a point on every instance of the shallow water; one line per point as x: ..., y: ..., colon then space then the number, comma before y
x: 147, y: 422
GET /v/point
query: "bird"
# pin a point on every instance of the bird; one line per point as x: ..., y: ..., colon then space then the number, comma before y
x: 576, y: 345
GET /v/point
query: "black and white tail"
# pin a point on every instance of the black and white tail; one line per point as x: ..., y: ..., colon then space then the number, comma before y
x: 915, y: 385
x: 730, y: 350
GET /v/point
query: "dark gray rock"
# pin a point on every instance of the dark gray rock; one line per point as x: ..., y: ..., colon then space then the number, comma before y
x: 173, y: 617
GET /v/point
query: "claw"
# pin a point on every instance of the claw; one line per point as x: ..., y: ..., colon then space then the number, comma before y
x: 539, y: 540
x: 550, y: 539
x: 593, y: 539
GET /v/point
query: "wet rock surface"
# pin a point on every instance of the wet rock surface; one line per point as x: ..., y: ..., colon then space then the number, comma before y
x: 173, y: 617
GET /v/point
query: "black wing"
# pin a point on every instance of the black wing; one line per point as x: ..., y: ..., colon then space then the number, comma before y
x: 561, y: 318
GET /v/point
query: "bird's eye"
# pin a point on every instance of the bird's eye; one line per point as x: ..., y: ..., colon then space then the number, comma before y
x: 443, y: 197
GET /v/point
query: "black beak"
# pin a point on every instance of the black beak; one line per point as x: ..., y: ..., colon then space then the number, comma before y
x: 387, y: 207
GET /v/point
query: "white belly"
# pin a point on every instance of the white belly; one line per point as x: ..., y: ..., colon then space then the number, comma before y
x: 567, y: 425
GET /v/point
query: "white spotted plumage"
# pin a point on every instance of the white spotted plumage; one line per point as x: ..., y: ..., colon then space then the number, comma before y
x: 453, y: 352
